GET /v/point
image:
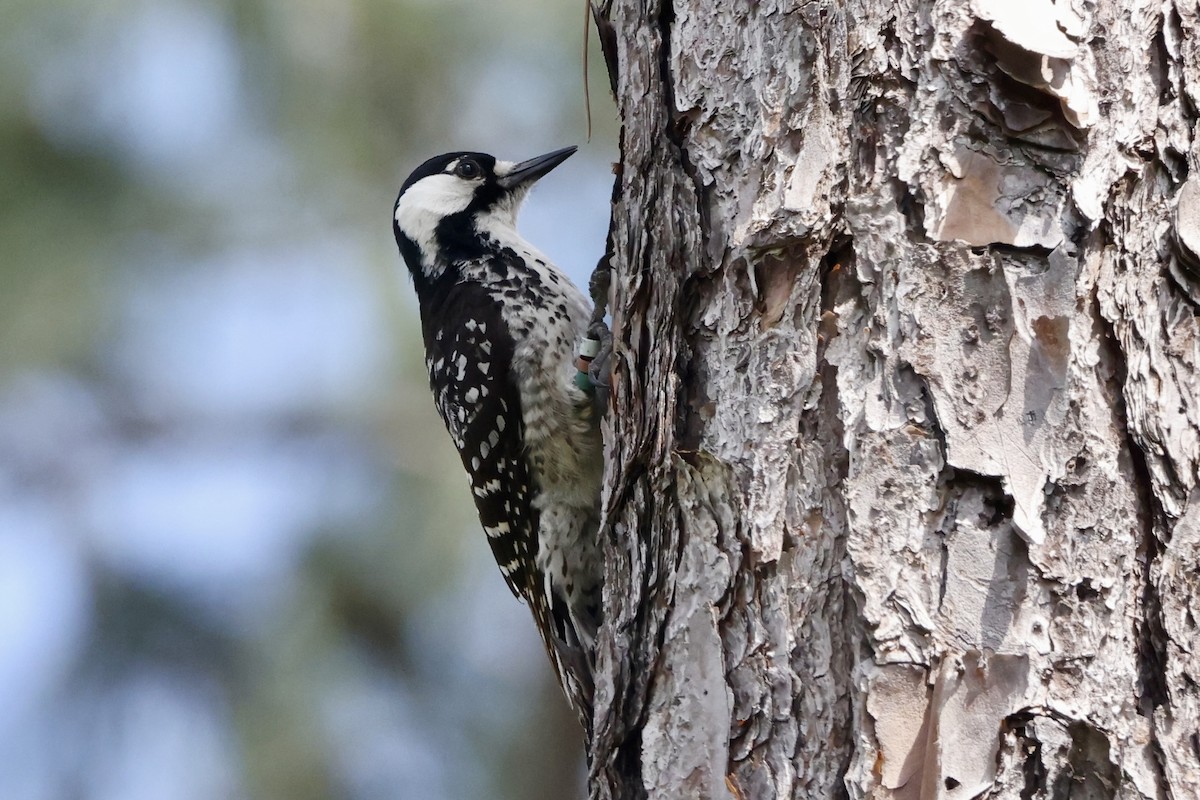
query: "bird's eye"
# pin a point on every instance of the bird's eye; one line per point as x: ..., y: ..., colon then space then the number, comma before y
x: 467, y: 169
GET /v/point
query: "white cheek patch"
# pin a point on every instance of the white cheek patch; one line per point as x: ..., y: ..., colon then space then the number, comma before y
x: 425, y: 203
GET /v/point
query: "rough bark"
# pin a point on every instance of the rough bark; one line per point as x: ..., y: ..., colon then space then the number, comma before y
x: 902, y: 470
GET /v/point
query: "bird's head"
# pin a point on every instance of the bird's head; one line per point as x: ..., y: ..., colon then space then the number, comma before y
x: 449, y: 204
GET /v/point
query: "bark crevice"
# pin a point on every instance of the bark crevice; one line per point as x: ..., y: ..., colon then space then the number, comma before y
x: 1151, y: 644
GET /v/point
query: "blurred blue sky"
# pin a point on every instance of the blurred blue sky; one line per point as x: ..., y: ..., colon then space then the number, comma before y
x: 237, y: 555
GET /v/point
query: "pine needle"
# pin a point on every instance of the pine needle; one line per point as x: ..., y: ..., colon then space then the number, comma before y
x: 587, y: 97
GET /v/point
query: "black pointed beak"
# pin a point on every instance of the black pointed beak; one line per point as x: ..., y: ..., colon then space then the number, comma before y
x: 529, y: 171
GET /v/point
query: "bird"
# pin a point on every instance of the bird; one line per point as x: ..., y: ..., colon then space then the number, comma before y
x: 503, y: 329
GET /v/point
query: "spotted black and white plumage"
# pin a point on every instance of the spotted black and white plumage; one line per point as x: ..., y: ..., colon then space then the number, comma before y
x: 501, y: 326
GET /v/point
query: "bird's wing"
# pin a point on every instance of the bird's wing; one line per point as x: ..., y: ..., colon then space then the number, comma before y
x: 470, y: 372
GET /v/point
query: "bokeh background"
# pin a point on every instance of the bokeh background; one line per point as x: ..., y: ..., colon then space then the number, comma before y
x: 238, y: 558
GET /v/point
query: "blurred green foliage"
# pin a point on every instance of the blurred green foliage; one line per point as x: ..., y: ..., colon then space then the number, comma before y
x: 351, y: 637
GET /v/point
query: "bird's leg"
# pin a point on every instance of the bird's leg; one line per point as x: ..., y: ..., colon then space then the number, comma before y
x: 596, y: 364
x: 600, y: 368
x: 593, y: 364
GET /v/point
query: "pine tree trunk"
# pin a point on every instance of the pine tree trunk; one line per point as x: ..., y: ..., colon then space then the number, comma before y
x: 902, y: 480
